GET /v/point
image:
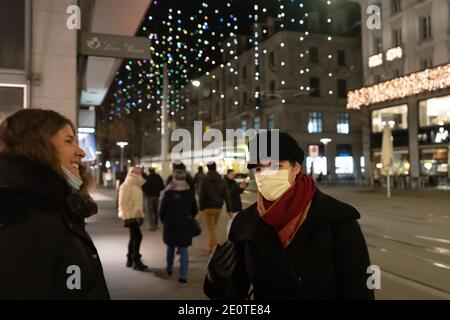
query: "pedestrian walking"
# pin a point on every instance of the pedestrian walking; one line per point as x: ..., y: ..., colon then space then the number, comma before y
x: 152, y: 189
x: 181, y: 166
x: 213, y: 194
x: 235, y: 190
x: 177, y: 210
x: 198, y: 178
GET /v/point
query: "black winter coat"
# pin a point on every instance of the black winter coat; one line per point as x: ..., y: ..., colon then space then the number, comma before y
x: 235, y: 195
x: 327, y: 259
x: 43, y: 243
x: 214, y: 192
x: 153, y: 185
x: 177, y: 209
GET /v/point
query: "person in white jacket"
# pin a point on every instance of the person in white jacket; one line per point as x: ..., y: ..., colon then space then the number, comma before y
x: 131, y: 211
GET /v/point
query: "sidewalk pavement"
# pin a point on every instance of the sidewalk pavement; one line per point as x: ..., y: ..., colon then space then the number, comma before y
x: 111, y: 240
x: 407, y: 237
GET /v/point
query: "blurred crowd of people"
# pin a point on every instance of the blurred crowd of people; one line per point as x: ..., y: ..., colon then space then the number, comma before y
x: 176, y: 203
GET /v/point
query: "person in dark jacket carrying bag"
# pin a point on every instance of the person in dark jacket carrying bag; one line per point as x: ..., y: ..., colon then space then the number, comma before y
x: 213, y: 194
x: 177, y: 210
x: 295, y: 242
x: 44, y: 248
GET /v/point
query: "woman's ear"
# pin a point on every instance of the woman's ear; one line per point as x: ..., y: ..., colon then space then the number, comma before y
x: 297, y: 168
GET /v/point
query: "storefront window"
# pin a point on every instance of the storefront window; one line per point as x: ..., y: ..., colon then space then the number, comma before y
x: 434, y: 162
x: 401, y: 165
x: 396, y: 116
x: 344, y: 165
x: 318, y: 165
x: 434, y: 112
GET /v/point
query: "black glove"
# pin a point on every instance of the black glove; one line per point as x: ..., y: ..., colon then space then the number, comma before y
x: 222, y: 262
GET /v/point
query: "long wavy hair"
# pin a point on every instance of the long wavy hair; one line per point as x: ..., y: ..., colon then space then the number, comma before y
x: 29, y: 132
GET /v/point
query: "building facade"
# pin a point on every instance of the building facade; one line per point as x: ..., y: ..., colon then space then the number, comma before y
x: 38, y: 57
x: 299, y: 86
x: 407, y: 85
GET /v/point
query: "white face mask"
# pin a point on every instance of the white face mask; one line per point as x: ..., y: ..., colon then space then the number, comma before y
x: 73, y: 181
x: 273, y: 183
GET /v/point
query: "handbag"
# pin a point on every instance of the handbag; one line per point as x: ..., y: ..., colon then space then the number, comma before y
x: 196, y: 230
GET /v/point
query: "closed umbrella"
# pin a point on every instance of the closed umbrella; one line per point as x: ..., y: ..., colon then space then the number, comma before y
x: 387, y: 155
x: 448, y: 160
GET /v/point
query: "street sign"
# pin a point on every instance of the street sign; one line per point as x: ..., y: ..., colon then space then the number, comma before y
x: 114, y: 46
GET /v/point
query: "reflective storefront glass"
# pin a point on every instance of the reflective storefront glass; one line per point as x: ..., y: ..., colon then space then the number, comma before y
x: 11, y: 100
x: 396, y: 116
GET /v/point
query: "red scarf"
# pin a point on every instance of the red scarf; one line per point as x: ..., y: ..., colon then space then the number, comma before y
x: 288, y: 213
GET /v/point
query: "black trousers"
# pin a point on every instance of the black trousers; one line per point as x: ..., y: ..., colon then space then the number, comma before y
x: 151, y: 207
x: 135, y: 240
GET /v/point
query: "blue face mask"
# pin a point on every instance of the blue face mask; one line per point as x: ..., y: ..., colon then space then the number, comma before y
x: 73, y: 181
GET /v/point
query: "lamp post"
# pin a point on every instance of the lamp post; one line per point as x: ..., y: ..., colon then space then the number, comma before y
x: 325, y: 142
x: 98, y: 169
x: 122, y: 145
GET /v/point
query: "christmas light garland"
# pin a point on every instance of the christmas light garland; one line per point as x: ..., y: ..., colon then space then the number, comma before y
x: 417, y: 83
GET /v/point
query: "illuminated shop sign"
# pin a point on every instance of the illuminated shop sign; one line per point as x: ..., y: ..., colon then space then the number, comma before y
x: 391, y: 55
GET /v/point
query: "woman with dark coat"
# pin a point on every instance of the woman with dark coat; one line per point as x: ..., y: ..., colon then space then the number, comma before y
x: 235, y: 190
x: 177, y: 210
x: 44, y: 248
x: 295, y: 242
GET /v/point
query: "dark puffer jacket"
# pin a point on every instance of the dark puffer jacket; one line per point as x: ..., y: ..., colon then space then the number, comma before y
x: 44, y: 248
x: 178, y: 208
x: 213, y: 192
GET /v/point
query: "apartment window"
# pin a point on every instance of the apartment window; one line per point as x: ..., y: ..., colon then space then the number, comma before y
x: 257, y: 124
x: 12, y: 34
x: 342, y: 88
x: 272, y: 89
x: 230, y: 79
x: 426, y: 63
x: 244, y: 125
x: 244, y: 73
x: 425, y: 27
x: 314, y: 85
x: 341, y: 58
x: 396, y: 6
x: 397, y: 73
x: 272, y: 59
x: 378, y: 45
x: 218, y: 109
x: 271, y: 121
x: 343, y: 123
x: 315, y: 123
x: 314, y: 54
x: 397, y: 37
